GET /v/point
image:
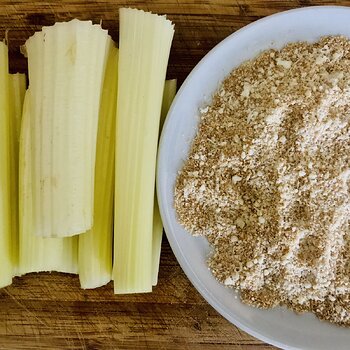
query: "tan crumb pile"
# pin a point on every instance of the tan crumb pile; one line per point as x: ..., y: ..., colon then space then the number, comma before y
x: 267, y: 180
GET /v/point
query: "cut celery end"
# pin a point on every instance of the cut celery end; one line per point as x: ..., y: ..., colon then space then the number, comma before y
x: 95, y: 246
x: 66, y: 64
x: 38, y: 254
x: 6, y: 258
x: 145, y: 41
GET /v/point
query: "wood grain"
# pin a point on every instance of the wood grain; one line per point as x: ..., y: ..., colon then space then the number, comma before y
x: 50, y: 311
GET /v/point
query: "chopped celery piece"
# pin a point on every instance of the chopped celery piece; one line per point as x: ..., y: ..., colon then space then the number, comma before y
x: 6, y: 258
x: 144, y: 46
x: 66, y: 64
x: 38, y: 253
x: 95, y: 246
x: 168, y: 96
x: 17, y: 89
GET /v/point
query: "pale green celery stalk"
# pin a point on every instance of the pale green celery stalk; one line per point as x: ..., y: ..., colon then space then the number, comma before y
x: 95, y: 246
x: 6, y: 258
x: 168, y: 96
x: 17, y: 89
x: 36, y: 253
x: 144, y: 46
x: 66, y: 65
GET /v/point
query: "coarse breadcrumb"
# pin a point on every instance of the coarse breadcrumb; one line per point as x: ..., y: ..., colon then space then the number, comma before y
x: 267, y: 180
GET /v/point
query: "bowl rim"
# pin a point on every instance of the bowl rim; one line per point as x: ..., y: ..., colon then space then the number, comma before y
x: 180, y: 257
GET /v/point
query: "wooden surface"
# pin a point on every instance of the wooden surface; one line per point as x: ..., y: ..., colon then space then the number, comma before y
x: 49, y: 311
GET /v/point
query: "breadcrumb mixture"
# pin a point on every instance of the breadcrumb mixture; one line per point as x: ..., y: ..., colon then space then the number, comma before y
x: 267, y: 180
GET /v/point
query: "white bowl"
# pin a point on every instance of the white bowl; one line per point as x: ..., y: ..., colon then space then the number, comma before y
x: 279, y: 326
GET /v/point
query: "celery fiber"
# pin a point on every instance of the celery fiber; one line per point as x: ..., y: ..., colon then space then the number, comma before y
x: 144, y: 46
x: 95, y: 246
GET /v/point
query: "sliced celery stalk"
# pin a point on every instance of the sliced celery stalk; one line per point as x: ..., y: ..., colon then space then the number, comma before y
x: 95, y: 246
x: 144, y: 46
x: 17, y: 89
x: 38, y: 253
x: 156, y: 242
x: 6, y: 258
x: 168, y: 96
x: 66, y: 64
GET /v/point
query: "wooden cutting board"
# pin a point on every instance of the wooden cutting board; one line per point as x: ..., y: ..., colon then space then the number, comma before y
x: 50, y: 311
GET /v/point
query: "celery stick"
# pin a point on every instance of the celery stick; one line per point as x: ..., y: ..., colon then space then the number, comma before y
x: 17, y: 91
x: 156, y: 242
x: 66, y: 64
x: 38, y: 253
x: 95, y: 246
x: 6, y: 258
x: 168, y: 96
x: 17, y: 88
x: 144, y: 46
